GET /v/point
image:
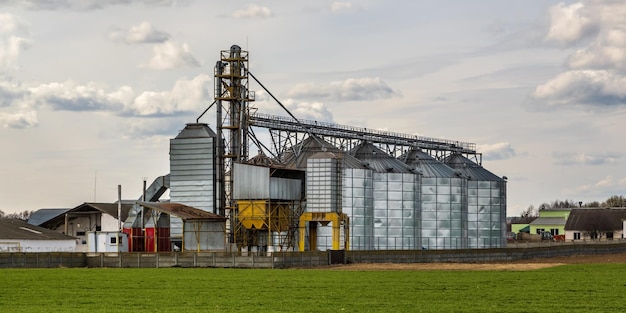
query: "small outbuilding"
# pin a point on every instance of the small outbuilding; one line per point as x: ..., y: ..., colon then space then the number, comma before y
x: 19, y: 236
x: 595, y: 224
x: 94, y: 224
x: 202, y: 230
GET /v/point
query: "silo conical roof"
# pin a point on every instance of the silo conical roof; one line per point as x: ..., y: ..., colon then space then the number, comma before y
x: 313, y: 145
x: 470, y: 168
x: 196, y: 130
x: 427, y: 165
x: 378, y: 159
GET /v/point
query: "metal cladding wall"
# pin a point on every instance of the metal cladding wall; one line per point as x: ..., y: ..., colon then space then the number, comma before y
x: 395, y: 207
x: 486, y: 204
x: 358, y: 204
x: 250, y: 182
x: 323, y: 183
x: 192, y: 171
x: 444, y: 213
x: 204, y: 236
x: 253, y: 182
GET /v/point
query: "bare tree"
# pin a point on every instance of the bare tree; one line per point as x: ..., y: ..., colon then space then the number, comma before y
x: 24, y: 215
x: 615, y: 201
x: 530, y: 212
x: 592, y: 204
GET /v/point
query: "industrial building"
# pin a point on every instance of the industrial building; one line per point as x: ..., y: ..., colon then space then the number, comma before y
x: 315, y: 185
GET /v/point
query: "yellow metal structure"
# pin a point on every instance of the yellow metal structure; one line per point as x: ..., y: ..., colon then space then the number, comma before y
x: 263, y: 214
x: 337, y: 220
x: 257, y: 217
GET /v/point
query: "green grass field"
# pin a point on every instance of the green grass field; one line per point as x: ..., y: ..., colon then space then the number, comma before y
x: 568, y: 288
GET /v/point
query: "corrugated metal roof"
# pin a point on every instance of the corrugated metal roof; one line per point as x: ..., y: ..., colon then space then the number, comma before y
x: 471, y: 169
x: 107, y: 208
x: 16, y: 229
x: 427, y: 165
x: 548, y: 221
x: 378, y: 160
x: 43, y: 215
x: 313, y: 145
x: 196, y: 130
x: 185, y: 212
x: 264, y: 160
x: 598, y: 218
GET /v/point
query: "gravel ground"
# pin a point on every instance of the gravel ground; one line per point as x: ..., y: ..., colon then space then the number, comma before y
x: 521, y: 265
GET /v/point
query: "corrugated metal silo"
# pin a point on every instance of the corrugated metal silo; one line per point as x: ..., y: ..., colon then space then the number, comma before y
x: 396, y: 207
x: 192, y: 172
x: 443, y: 202
x: 356, y: 193
x: 486, y: 203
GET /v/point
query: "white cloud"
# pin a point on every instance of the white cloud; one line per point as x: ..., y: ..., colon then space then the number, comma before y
x: 569, y: 23
x: 253, y: 11
x: 11, y: 45
x: 337, y: 6
x: 70, y: 96
x: 170, y: 55
x: 607, y: 186
x: 497, y: 151
x: 595, y: 73
x: 588, y: 87
x: 314, y: 111
x: 10, y: 93
x: 8, y: 23
x: 19, y: 120
x: 187, y: 96
x: 607, y: 52
x: 352, y: 89
x: 569, y: 158
x: 143, y: 32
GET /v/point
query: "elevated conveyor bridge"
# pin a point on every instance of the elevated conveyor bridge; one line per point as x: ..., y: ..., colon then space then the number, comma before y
x: 286, y: 132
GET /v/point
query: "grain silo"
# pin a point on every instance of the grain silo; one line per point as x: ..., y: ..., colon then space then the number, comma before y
x: 443, y: 202
x: 396, y: 205
x: 337, y: 183
x: 192, y: 173
x: 486, y: 216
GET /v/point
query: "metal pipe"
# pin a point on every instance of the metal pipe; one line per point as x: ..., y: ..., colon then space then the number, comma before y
x: 119, y: 216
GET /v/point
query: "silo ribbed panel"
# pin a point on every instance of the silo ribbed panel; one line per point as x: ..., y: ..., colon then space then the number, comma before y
x: 443, y: 202
x: 192, y: 171
x: 358, y: 204
x: 486, y: 204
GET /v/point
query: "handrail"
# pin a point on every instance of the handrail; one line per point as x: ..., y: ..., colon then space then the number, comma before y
x: 379, y: 136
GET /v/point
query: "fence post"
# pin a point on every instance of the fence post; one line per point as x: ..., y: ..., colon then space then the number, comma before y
x: 156, y: 261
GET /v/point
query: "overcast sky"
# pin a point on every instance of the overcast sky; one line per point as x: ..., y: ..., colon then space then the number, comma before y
x: 91, y: 91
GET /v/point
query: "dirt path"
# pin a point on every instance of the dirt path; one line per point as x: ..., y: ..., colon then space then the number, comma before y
x: 521, y: 265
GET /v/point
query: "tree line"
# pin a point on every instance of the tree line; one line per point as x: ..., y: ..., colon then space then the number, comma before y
x: 23, y: 216
x: 611, y: 202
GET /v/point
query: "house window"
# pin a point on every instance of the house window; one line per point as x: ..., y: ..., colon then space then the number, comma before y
x: 540, y: 230
x: 609, y: 235
x: 576, y: 236
x: 80, y: 233
x: 113, y: 240
x: 554, y: 231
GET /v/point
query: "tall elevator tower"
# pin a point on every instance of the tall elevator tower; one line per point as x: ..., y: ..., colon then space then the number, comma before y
x: 232, y: 98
